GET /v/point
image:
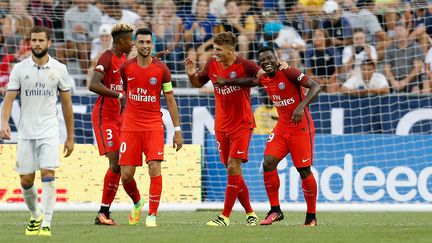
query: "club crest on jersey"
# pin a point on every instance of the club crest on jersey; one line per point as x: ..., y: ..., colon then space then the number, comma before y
x: 281, y: 85
x: 233, y: 74
x: 110, y: 143
x: 153, y: 81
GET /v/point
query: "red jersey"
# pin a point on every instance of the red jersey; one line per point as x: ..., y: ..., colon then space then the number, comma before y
x: 233, y: 108
x: 143, y: 87
x: 106, y: 109
x: 286, y: 93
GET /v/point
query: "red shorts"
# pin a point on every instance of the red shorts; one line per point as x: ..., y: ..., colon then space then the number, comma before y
x: 300, y: 146
x: 233, y: 144
x: 107, y: 137
x: 134, y: 144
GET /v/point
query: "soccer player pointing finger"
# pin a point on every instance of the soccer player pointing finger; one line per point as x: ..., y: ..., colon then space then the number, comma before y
x: 142, y: 130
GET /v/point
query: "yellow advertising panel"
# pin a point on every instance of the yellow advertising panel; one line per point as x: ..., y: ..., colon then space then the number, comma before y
x: 80, y: 177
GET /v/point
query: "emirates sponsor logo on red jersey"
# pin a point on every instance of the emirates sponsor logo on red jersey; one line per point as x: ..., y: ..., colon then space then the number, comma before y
x: 142, y: 96
x: 226, y: 90
x: 278, y: 101
x: 116, y: 87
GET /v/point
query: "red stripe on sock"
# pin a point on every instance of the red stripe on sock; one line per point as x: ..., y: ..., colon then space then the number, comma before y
x: 309, y: 186
x: 272, y: 184
x: 155, y: 194
x: 243, y: 196
x: 231, y: 192
x: 132, y: 190
x: 111, y: 183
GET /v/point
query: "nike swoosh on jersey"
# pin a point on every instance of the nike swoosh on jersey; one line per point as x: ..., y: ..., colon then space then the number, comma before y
x: 240, y: 152
x: 129, y: 79
x: 115, y: 70
x: 305, y: 160
x: 160, y: 153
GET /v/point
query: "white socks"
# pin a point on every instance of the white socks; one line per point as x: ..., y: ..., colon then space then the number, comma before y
x: 48, y: 200
x: 30, y: 198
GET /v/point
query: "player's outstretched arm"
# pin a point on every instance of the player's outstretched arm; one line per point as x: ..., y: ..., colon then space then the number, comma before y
x: 97, y: 86
x: 244, y: 82
x: 5, y: 132
x: 192, y: 73
x: 66, y: 101
x: 314, y: 90
x: 173, y: 110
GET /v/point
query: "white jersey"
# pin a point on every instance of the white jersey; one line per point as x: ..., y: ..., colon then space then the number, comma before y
x: 38, y: 88
x: 377, y: 81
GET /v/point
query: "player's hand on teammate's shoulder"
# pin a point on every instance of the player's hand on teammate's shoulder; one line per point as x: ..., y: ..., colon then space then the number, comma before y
x: 178, y: 140
x: 68, y: 147
x: 283, y: 65
x: 161, y: 54
x: 5, y: 132
x: 220, y: 82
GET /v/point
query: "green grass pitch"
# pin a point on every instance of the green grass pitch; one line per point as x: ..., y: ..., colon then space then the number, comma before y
x: 190, y: 227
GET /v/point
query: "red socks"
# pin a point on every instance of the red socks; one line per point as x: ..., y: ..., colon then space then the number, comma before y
x: 155, y: 194
x: 231, y: 193
x: 111, y: 183
x: 243, y: 196
x: 272, y: 183
x: 132, y: 190
x: 309, y: 186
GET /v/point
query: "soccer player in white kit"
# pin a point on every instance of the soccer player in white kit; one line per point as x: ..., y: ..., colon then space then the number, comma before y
x: 38, y: 79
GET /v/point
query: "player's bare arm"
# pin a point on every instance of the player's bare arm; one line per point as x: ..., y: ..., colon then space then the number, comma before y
x: 192, y: 73
x: 173, y: 110
x: 97, y: 86
x: 66, y: 102
x: 244, y: 82
x: 314, y: 90
x: 5, y: 132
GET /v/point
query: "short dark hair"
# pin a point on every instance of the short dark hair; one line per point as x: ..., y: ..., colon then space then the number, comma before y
x: 144, y: 31
x: 264, y: 49
x: 355, y: 30
x: 40, y: 29
x: 368, y: 62
x: 223, y: 38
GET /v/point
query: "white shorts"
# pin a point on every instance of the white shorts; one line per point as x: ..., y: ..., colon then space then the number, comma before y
x: 35, y: 154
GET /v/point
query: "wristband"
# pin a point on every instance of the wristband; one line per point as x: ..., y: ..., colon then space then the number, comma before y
x: 120, y: 96
x: 177, y: 129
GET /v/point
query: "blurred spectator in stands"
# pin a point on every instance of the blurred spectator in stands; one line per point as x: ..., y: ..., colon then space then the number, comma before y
x: 336, y: 25
x: 98, y: 46
x: 113, y: 13
x: 250, y: 19
x: 4, y: 79
x: 265, y: 115
x: 198, y: 34
x: 296, y: 19
x: 81, y: 26
x: 360, y: 16
x: 388, y: 9
x: 427, y: 83
x: 312, y: 10
x: 50, y: 14
x: 321, y: 62
x: 18, y: 22
x: 422, y: 23
x: 138, y: 6
x: 369, y: 82
x: 4, y: 6
x: 17, y: 50
x: 168, y: 28
x: 404, y: 62
x: 353, y: 55
x: 216, y: 7
x: 232, y: 22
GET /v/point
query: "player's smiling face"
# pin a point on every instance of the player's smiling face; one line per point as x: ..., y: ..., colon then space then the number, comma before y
x: 144, y: 45
x: 222, y: 52
x: 268, y: 62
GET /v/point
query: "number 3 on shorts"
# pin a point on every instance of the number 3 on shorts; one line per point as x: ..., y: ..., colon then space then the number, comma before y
x: 109, y: 134
x: 123, y: 147
x: 270, y: 138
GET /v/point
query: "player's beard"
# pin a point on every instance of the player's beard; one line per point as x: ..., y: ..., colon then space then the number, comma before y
x: 144, y: 53
x: 40, y: 54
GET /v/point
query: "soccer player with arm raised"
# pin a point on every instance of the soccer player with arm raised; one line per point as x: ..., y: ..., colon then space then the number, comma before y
x: 234, y: 119
x: 38, y: 80
x: 106, y: 114
x: 142, y: 130
x: 293, y: 133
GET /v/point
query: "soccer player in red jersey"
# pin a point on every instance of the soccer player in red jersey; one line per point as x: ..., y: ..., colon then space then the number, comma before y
x: 293, y: 133
x: 234, y: 119
x: 142, y: 130
x: 106, y: 115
